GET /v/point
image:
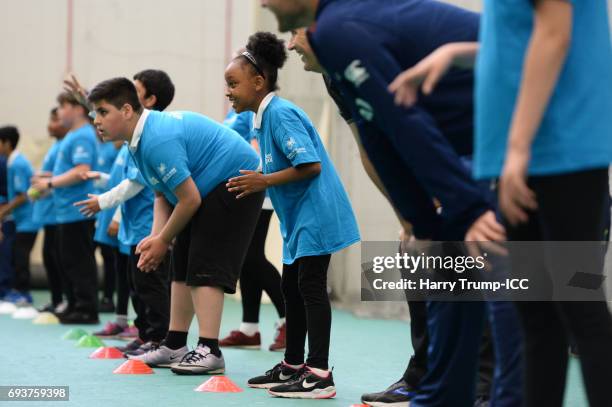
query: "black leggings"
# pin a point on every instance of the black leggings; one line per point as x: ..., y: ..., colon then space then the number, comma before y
x: 110, y: 273
x: 571, y: 207
x: 123, y: 288
x: 51, y: 262
x: 24, y: 241
x: 304, y: 285
x: 259, y: 275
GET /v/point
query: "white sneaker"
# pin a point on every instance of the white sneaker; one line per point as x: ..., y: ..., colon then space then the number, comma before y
x: 200, y: 361
x: 162, y: 356
x: 7, y: 308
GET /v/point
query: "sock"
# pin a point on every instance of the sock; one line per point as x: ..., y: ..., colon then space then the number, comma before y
x: 213, y: 344
x: 319, y: 372
x: 122, y: 321
x: 294, y: 367
x: 249, y: 328
x: 176, y: 339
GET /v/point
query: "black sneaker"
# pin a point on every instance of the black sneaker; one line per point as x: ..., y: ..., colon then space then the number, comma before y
x: 79, y: 317
x: 106, y: 305
x: 132, y: 345
x: 308, y: 385
x: 279, y: 374
x: 398, y: 394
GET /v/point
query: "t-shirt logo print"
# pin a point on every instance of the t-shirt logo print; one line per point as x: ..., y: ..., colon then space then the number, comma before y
x: 80, y: 152
x: 356, y: 74
x: 162, y: 168
x: 268, y: 159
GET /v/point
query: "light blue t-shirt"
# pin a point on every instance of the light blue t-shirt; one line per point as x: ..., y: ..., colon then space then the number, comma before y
x: 576, y: 131
x: 44, y: 208
x: 105, y: 217
x: 107, y: 153
x: 315, y: 215
x: 137, y: 213
x: 19, y: 172
x: 176, y: 145
x: 242, y: 123
x: 78, y: 147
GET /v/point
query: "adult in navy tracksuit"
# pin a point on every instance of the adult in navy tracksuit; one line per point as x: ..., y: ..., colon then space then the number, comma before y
x: 363, y: 45
x: 8, y: 234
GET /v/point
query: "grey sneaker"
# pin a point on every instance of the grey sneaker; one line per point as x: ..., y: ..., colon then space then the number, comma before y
x: 200, y: 361
x: 162, y: 356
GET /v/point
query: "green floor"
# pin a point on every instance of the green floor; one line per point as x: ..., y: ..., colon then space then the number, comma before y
x: 367, y: 355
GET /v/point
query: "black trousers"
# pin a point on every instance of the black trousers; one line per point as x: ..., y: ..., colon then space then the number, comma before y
x: 308, y: 311
x: 50, y: 254
x: 152, y: 303
x: 110, y: 272
x: 571, y: 207
x: 79, y: 264
x: 123, y: 288
x: 24, y: 241
x: 259, y: 275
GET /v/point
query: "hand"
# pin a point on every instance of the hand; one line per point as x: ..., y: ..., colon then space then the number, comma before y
x: 250, y: 182
x: 515, y: 197
x: 484, y: 231
x: 404, y: 238
x: 86, y: 176
x: 152, y: 251
x: 90, y: 206
x: 426, y: 73
x: 41, y: 184
x: 113, y: 229
x: 72, y: 85
x: 3, y: 213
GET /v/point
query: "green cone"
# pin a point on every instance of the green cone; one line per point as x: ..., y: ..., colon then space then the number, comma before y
x: 74, y: 334
x: 89, y: 341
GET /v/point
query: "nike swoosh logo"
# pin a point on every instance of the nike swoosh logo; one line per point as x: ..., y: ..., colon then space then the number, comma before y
x: 307, y: 385
x: 174, y: 357
x: 283, y: 377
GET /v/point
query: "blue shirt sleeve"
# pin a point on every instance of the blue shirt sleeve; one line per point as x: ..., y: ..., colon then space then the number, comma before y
x: 21, y: 179
x: 169, y: 162
x: 83, y: 151
x: 366, y: 71
x: 293, y: 139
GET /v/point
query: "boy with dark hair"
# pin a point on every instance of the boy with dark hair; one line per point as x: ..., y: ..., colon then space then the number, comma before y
x: 7, y: 232
x: 186, y: 159
x: 18, y: 182
x: 77, y: 154
x: 150, y: 290
x: 154, y: 88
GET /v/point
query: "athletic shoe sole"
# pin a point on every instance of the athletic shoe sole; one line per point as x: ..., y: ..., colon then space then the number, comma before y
x: 327, y: 393
x: 263, y: 385
x: 195, y: 371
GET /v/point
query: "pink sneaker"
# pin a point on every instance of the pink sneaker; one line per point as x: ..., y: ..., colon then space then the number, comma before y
x: 110, y: 330
x: 128, y: 333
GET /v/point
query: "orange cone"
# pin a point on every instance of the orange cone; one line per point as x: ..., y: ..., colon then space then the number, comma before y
x: 106, y: 353
x: 219, y: 384
x: 133, y: 367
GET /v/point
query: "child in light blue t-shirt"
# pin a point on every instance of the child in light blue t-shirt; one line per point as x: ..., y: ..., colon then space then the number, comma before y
x: 315, y: 214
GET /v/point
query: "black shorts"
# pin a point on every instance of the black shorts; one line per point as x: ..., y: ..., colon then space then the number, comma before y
x: 211, y: 249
